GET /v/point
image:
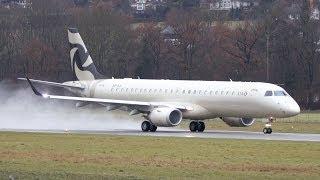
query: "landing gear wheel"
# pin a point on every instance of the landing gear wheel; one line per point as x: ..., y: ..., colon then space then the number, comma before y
x: 193, y: 126
x: 197, y: 126
x: 201, y: 126
x: 153, y: 128
x: 267, y: 130
x: 145, y: 126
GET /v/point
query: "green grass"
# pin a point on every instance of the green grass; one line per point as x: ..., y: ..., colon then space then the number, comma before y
x: 306, y: 122
x: 71, y: 156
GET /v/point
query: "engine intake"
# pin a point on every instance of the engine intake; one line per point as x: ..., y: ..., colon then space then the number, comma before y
x: 238, y: 122
x: 165, y: 117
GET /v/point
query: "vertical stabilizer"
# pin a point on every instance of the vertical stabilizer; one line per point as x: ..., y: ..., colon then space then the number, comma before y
x: 81, y: 62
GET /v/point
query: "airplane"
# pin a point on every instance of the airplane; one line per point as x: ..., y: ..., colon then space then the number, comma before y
x: 165, y: 103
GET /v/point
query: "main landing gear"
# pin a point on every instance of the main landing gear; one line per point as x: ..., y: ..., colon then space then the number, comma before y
x: 197, y: 126
x: 148, y: 126
x: 267, y: 129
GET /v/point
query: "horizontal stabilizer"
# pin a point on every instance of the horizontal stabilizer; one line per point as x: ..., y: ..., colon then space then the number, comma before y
x: 51, y: 83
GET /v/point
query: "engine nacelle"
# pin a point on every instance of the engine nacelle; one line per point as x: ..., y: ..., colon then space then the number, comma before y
x: 165, y: 117
x: 238, y: 122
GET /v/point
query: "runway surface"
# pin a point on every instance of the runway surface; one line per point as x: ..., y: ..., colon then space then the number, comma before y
x: 187, y: 134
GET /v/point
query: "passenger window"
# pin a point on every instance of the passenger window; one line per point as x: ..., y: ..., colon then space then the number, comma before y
x: 268, y: 93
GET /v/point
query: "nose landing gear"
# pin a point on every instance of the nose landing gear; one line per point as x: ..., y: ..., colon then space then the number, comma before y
x: 267, y: 129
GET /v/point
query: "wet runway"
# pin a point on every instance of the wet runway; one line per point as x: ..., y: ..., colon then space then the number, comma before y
x: 188, y: 134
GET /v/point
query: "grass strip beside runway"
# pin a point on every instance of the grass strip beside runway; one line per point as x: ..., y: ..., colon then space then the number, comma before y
x: 72, y: 156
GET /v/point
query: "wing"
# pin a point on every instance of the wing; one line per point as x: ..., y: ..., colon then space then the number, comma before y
x: 143, y: 105
x: 52, y: 83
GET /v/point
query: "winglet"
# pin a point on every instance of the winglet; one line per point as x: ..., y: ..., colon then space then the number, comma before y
x: 33, y: 88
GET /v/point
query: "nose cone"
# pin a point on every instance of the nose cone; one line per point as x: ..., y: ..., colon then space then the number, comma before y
x: 294, y: 108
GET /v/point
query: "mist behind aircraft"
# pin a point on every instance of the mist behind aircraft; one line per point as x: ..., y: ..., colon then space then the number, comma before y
x: 19, y: 110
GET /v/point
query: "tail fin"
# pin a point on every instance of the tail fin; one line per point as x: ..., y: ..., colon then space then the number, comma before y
x: 81, y: 62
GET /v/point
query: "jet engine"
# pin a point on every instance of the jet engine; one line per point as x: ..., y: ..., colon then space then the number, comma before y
x: 165, y: 116
x: 238, y: 122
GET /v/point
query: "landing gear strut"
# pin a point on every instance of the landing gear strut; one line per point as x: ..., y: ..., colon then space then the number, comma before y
x: 148, y: 126
x: 197, y: 126
x: 267, y: 129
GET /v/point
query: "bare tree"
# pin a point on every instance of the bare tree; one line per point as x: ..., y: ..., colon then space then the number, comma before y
x: 190, y: 30
x: 307, y: 48
x: 153, y: 41
x: 242, y: 45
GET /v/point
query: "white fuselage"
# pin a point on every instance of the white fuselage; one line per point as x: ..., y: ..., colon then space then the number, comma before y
x: 204, y: 99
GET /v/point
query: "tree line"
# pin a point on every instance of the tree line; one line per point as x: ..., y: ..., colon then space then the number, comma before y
x: 271, y: 48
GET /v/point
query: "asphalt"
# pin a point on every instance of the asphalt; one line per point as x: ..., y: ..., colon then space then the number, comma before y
x: 187, y: 134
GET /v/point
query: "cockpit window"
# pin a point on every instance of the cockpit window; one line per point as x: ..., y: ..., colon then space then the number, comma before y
x: 280, y: 93
x: 268, y: 93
